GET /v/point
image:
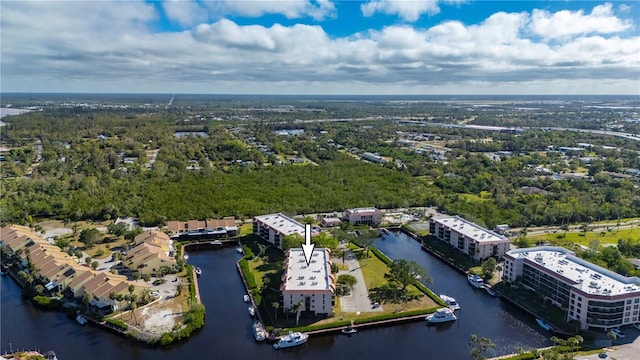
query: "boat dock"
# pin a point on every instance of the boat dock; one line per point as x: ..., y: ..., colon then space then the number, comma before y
x: 368, y: 324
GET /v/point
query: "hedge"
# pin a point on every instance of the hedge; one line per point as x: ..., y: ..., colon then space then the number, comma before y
x: 385, y: 259
x: 47, y: 302
x: 248, y: 275
x: 118, y: 323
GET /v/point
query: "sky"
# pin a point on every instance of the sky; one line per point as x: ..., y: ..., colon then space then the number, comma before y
x: 363, y: 47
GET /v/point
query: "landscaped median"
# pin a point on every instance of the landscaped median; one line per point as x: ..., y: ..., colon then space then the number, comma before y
x: 262, y: 275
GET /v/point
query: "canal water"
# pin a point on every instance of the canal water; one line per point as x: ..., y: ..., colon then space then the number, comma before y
x: 227, y: 331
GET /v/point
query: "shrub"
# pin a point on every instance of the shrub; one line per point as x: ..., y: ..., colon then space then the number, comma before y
x: 47, y: 302
x: 118, y: 323
x: 166, y: 339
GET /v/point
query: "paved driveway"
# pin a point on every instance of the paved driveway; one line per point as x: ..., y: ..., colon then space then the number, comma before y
x: 358, y: 300
x: 625, y: 349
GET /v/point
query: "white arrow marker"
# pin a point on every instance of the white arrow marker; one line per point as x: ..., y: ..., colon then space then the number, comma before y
x: 307, y: 247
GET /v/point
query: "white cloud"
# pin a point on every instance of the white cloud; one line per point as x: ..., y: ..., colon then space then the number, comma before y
x: 107, y: 46
x: 184, y: 12
x: 291, y: 9
x: 564, y: 24
x: 407, y: 10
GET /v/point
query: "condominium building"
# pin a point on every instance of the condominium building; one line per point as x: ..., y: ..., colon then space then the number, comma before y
x: 274, y: 227
x: 468, y: 237
x: 312, y: 285
x: 363, y: 216
x: 595, y: 297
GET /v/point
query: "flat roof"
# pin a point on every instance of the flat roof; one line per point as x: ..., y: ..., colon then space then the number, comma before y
x: 588, y: 277
x: 282, y: 223
x: 469, y: 229
x: 362, y: 210
x: 316, y: 276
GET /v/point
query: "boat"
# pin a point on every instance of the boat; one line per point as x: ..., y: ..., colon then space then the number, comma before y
x: 252, y: 311
x: 291, y: 339
x: 239, y: 250
x: 186, y: 257
x: 246, y: 298
x: 543, y: 324
x: 441, y: 315
x: 81, y: 320
x: 259, y: 331
x: 491, y: 292
x: 198, y: 271
x: 451, y: 302
x: 50, y: 355
x: 216, y: 242
x: 350, y: 329
x: 384, y: 230
x: 475, y: 281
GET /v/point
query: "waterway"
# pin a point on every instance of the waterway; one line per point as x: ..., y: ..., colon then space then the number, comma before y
x: 227, y: 330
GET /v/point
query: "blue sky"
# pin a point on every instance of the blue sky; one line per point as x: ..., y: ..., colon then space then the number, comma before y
x: 321, y: 46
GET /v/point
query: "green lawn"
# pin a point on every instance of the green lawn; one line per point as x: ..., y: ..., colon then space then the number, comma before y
x: 606, y: 237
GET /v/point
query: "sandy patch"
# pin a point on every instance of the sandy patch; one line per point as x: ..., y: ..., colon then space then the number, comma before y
x: 158, y: 317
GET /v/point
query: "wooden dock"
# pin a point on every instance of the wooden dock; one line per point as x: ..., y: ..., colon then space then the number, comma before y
x: 368, y: 324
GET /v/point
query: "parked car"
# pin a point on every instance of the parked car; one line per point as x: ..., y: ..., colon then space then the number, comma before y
x: 619, y: 334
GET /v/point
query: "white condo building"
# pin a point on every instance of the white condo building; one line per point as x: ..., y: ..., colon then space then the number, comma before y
x: 590, y: 294
x: 313, y: 285
x: 274, y: 227
x: 468, y: 237
x: 363, y: 216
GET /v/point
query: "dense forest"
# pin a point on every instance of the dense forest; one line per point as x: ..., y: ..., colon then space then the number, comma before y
x: 79, y: 162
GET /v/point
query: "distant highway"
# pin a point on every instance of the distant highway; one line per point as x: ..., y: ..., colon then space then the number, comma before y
x: 630, y: 136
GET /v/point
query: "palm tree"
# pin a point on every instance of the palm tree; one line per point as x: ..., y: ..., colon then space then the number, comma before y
x: 297, y: 308
x: 275, y: 305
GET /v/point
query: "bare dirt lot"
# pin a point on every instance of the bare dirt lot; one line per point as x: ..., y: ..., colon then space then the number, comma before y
x: 157, y: 317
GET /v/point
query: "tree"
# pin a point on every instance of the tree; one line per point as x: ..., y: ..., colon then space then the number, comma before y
x: 347, y: 280
x: 89, y: 236
x: 488, y: 267
x: 94, y: 265
x: 297, y: 308
x: 275, y: 305
x: 62, y: 243
x: 118, y: 229
x: 479, y: 346
x: 404, y: 273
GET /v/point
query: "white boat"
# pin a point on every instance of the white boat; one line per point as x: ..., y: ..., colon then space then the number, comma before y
x: 239, y: 250
x: 441, y: 315
x: 81, y: 320
x: 349, y: 330
x: 50, y: 355
x: 246, y: 298
x: 259, y: 331
x: 543, y: 324
x: 252, y: 311
x: 292, y: 339
x: 451, y: 302
x: 198, y: 271
x: 216, y: 242
x: 475, y: 281
x: 186, y: 257
x: 491, y: 292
